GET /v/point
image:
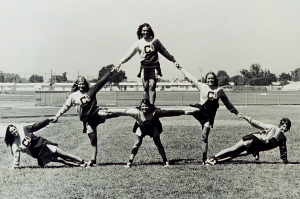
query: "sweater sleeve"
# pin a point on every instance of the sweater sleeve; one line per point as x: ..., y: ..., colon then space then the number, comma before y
x: 168, y: 113
x: 227, y: 103
x: 163, y: 51
x: 67, y: 105
x: 37, y: 126
x: 283, y: 151
x: 192, y: 79
x: 16, y: 155
x: 94, y: 89
x: 260, y: 125
x: 130, y: 53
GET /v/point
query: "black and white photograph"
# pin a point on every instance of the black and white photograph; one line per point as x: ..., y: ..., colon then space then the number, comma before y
x: 162, y: 99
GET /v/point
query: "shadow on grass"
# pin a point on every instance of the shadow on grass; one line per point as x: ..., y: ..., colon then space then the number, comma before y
x: 46, y: 167
x: 254, y: 162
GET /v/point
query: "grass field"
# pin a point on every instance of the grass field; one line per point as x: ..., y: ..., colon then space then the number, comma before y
x: 186, y: 178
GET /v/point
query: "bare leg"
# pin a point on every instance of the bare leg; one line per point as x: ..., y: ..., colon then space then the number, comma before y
x: 146, y: 89
x: 67, y: 158
x: 204, y: 142
x: 232, y: 152
x: 152, y: 92
x: 93, y: 139
x: 160, y: 148
x: 137, y: 143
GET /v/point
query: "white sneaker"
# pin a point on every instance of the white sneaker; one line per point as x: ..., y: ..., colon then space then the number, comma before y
x: 128, y: 165
x: 167, y: 164
x: 211, y: 161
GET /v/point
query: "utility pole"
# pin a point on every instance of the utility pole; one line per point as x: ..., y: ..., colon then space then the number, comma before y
x: 51, y: 79
x: 201, y: 74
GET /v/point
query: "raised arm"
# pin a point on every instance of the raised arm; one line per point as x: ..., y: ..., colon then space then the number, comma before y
x: 94, y: 89
x: 37, y: 126
x: 191, y: 79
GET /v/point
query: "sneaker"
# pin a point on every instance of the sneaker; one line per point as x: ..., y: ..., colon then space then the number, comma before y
x: 211, y: 161
x: 167, y: 164
x: 128, y: 165
x: 83, y: 164
x: 90, y: 163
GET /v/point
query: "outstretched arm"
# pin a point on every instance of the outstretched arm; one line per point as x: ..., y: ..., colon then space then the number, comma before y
x: 94, y: 89
x: 191, y: 79
x: 257, y: 124
x: 38, y: 126
x: 68, y: 104
x: 227, y: 103
x: 129, y: 54
x: 176, y: 112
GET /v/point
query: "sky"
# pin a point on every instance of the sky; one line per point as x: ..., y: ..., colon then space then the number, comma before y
x: 80, y: 37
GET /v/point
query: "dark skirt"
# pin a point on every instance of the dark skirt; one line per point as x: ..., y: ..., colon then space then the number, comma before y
x: 203, y: 118
x: 147, y: 130
x: 40, y: 151
x: 256, y: 145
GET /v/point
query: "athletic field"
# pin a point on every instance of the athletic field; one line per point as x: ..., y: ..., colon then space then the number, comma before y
x: 186, y: 178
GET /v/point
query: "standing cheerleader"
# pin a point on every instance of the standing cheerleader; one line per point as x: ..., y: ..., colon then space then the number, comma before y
x: 148, y: 46
x: 210, y: 94
x: 84, y: 98
x: 147, y: 123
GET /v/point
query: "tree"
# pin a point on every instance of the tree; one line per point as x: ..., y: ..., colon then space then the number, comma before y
x: 255, y: 71
x: 239, y: 80
x: 296, y: 74
x: 36, y: 79
x: 223, y: 78
x: 115, y: 78
x: 10, y: 77
x: 245, y: 73
x: 284, y: 78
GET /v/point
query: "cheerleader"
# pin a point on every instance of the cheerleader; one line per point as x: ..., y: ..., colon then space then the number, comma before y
x: 147, y: 123
x: 22, y: 139
x: 83, y: 97
x: 148, y: 46
x: 270, y: 137
x: 210, y: 94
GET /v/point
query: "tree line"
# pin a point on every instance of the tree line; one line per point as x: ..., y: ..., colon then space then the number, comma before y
x: 255, y: 76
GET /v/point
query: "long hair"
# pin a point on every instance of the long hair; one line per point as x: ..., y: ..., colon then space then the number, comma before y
x: 147, y: 102
x: 287, y: 122
x: 75, y: 85
x: 139, y: 31
x: 9, y: 138
x: 216, y: 82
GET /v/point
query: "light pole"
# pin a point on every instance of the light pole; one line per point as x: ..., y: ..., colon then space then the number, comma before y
x: 201, y: 74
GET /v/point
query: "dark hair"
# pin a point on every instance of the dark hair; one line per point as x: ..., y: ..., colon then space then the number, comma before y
x: 147, y: 102
x: 9, y: 138
x: 216, y: 82
x: 287, y: 122
x: 75, y: 85
x: 139, y: 31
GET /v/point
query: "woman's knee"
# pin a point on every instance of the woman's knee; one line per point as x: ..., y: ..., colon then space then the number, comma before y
x: 93, y: 138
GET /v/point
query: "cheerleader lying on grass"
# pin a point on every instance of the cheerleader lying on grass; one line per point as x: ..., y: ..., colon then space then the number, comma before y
x: 270, y: 137
x: 147, y: 123
x: 45, y: 151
